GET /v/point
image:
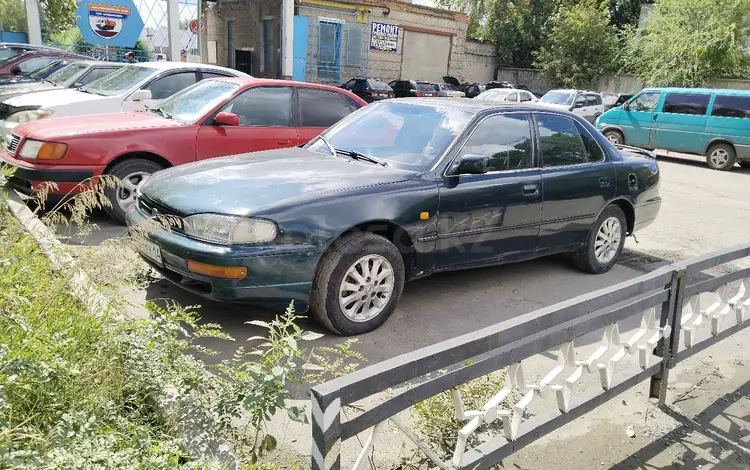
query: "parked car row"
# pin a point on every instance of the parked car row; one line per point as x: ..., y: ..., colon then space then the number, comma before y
x: 321, y: 198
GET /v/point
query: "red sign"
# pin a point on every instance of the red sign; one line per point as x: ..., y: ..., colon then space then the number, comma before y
x: 193, y: 26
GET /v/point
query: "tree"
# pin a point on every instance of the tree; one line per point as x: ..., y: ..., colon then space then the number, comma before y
x: 57, y: 15
x: 476, y: 10
x: 626, y: 12
x: 582, y: 45
x: 689, y: 42
x: 12, y: 15
x: 518, y: 28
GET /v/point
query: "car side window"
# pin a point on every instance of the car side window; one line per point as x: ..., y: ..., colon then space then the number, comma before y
x: 732, y: 106
x: 321, y: 108
x: 206, y: 75
x: 686, y: 103
x: 512, y: 97
x: 263, y: 106
x: 359, y: 86
x: 95, y: 74
x: 167, y: 86
x: 525, y: 96
x: 580, y: 101
x: 560, y: 141
x: 594, y: 151
x: 646, y: 101
x: 505, y: 139
x: 591, y: 100
x: 35, y: 63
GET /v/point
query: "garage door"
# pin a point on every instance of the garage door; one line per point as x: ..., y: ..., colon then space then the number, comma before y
x: 425, y: 56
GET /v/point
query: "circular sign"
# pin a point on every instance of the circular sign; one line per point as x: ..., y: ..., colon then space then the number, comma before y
x: 106, y: 20
x: 193, y: 26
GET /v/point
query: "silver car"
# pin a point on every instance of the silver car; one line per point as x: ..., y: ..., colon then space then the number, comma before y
x: 506, y: 95
x: 587, y: 104
x: 448, y: 90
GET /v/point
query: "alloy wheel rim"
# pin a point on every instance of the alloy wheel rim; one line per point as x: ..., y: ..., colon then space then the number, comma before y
x: 608, y: 239
x: 719, y: 157
x: 613, y: 138
x: 127, y: 190
x: 366, y: 288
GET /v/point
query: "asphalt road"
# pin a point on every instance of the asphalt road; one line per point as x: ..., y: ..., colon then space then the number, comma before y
x: 702, y: 211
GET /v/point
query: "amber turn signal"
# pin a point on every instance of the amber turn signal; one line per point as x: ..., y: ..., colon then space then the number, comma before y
x: 51, y: 151
x: 225, y: 272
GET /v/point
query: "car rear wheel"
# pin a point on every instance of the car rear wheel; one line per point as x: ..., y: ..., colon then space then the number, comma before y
x: 604, y: 242
x: 133, y: 173
x: 358, y: 284
x: 721, y: 157
x: 614, y: 136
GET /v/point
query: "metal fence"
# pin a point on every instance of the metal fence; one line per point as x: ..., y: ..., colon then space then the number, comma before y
x: 668, y: 302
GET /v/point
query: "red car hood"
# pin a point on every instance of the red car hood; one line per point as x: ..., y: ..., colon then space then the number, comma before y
x: 51, y: 129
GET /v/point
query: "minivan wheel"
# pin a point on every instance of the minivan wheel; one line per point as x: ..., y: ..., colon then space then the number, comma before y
x: 614, y: 136
x: 604, y: 242
x: 133, y: 173
x: 358, y: 284
x: 721, y: 157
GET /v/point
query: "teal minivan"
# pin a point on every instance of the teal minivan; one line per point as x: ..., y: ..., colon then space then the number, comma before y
x: 714, y: 123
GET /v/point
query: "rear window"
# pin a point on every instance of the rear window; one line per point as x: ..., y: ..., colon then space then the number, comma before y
x: 378, y: 86
x: 426, y: 87
x: 732, y: 106
x: 683, y: 103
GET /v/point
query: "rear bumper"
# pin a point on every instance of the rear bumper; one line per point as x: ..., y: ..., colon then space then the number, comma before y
x: 645, y: 214
x: 276, y: 275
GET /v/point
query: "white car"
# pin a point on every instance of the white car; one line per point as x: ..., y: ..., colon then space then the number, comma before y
x: 448, y: 90
x: 587, y: 104
x: 131, y: 88
x: 506, y: 95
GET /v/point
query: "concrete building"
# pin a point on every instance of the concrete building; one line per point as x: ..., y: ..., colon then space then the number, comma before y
x: 334, y: 41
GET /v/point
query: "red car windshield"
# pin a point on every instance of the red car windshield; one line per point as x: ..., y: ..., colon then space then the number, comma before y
x: 193, y: 102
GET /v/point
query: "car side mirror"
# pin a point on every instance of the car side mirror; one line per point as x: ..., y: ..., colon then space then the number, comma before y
x: 16, y: 70
x: 227, y: 119
x: 471, y: 164
x: 626, y: 106
x: 77, y: 85
x: 141, y: 95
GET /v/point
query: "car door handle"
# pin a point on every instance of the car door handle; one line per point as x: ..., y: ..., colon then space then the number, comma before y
x: 655, y: 116
x: 604, y: 182
x: 530, y: 190
x: 283, y: 142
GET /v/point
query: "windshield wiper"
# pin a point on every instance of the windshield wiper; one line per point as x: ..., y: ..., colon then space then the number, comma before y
x: 161, y: 112
x: 83, y: 90
x: 328, y: 144
x: 361, y: 156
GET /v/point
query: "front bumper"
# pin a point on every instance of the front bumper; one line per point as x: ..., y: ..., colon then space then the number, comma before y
x: 27, y: 177
x: 276, y: 274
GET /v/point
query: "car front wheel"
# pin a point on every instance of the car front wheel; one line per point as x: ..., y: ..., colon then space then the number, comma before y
x: 132, y: 173
x: 615, y: 137
x: 604, y: 242
x: 358, y: 284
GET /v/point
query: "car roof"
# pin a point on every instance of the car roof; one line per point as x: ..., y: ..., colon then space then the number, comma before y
x: 170, y: 65
x: 475, y: 107
x: 252, y: 81
x: 698, y: 90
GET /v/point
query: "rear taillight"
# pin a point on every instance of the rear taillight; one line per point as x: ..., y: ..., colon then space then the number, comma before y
x: 419, y: 93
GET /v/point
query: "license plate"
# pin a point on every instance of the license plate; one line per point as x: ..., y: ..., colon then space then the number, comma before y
x: 382, y: 95
x: 148, y: 249
x: 428, y: 94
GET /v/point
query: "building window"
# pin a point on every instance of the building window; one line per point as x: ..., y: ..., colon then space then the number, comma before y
x: 354, y: 46
x: 268, y: 49
x: 329, y: 52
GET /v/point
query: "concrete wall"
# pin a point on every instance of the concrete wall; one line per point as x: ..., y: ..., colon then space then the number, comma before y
x: 607, y: 84
x: 478, y: 62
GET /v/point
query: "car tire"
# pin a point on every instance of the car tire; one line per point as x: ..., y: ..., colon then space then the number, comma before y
x: 721, y: 157
x: 135, y: 171
x: 608, y: 235
x: 614, y: 136
x: 339, y: 309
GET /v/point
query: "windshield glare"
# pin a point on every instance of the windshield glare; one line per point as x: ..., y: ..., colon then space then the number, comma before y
x: 119, y: 81
x: 493, y: 95
x: 404, y: 135
x: 448, y: 86
x: 63, y: 76
x: 558, y: 97
x: 39, y: 73
x: 195, y: 101
x: 378, y: 86
x: 9, y: 53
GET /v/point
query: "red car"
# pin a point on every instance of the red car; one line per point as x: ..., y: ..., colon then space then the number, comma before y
x: 26, y: 62
x: 213, y: 118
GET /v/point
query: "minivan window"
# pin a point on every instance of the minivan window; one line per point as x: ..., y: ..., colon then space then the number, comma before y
x: 731, y: 106
x: 684, y: 103
x: 646, y: 101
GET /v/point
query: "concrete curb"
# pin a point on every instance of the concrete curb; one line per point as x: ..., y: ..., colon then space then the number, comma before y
x: 193, y: 435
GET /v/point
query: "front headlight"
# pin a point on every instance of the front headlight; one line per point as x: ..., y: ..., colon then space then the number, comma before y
x: 228, y: 230
x: 42, y: 150
x: 28, y: 116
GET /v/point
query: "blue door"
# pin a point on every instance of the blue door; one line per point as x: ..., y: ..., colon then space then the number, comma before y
x: 638, y: 118
x: 329, y: 52
x: 299, y: 69
x: 681, y: 124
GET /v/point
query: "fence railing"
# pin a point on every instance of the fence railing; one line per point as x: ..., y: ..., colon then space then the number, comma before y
x: 667, y: 301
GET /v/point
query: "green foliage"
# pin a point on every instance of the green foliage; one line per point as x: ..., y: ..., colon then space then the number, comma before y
x: 13, y: 15
x: 625, y: 13
x: 688, y: 42
x: 476, y: 10
x: 518, y: 29
x: 582, y: 45
x: 57, y: 15
x: 436, y: 416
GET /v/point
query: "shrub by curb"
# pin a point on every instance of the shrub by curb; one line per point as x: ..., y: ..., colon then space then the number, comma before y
x: 188, y: 420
